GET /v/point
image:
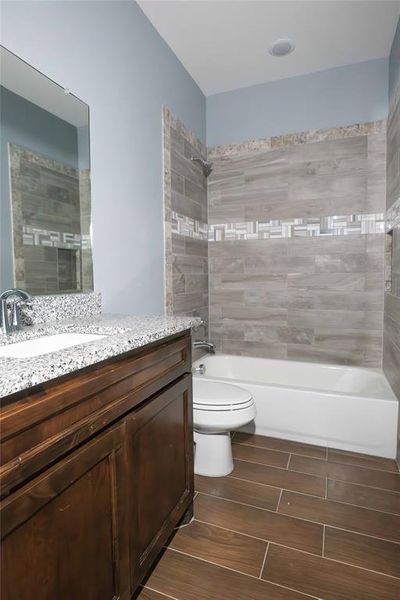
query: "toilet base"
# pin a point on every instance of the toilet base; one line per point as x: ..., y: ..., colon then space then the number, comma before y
x: 213, y: 454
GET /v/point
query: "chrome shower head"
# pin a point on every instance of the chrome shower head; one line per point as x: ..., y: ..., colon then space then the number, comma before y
x: 205, y: 165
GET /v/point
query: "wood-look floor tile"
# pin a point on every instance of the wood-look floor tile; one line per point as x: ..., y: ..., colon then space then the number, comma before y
x: 263, y: 524
x: 363, y: 551
x: 364, y: 496
x: 260, y: 455
x: 325, y: 578
x: 186, y: 578
x: 262, y: 441
x: 362, y: 460
x: 222, y: 547
x: 147, y: 594
x: 247, y: 492
x: 289, y: 480
x: 370, y: 477
x: 346, y: 516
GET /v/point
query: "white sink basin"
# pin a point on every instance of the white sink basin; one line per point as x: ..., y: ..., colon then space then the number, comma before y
x: 49, y: 343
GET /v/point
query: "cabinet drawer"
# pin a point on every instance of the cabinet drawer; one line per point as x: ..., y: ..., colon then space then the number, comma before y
x: 41, y: 426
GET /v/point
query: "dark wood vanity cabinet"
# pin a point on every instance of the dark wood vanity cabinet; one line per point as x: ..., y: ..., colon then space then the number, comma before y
x: 160, y: 442
x: 88, y: 522
x: 64, y: 533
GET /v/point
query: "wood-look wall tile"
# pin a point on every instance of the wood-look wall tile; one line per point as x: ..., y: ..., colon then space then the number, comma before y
x: 256, y: 349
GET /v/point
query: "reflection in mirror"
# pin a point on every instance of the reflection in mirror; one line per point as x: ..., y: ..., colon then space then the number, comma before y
x: 45, y: 209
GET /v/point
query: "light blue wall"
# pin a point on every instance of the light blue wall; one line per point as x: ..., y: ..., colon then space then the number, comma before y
x: 30, y: 126
x: 332, y: 98
x: 109, y: 55
x: 394, y: 63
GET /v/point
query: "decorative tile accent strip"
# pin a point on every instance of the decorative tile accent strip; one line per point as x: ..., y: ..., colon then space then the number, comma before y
x: 33, y: 236
x: 293, y: 139
x: 306, y: 227
x: 189, y: 227
x: 393, y: 216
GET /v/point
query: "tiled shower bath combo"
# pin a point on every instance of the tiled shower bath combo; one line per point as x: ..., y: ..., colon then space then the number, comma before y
x: 185, y: 223
x: 296, y: 246
x: 51, y: 216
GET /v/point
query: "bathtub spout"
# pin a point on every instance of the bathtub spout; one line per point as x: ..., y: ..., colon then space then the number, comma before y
x: 203, y: 344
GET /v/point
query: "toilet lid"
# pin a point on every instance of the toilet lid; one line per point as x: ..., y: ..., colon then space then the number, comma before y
x: 213, y: 394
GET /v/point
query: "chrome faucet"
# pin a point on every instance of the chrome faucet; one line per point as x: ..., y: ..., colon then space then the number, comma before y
x: 10, y: 320
x: 203, y: 344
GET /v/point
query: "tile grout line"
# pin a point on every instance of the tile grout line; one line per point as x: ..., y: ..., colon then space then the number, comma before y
x: 324, y: 459
x: 287, y: 465
x: 369, y: 535
x: 241, y: 572
x: 263, y: 562
x: 254, y: 462
x: 261, y: 448
x: 279, y: 501
x: 323, y: 540
x: 272, y: 543
x: 309, y: 495
x: 158, y: 592
x: 320, y: 476
x: 300, y: 494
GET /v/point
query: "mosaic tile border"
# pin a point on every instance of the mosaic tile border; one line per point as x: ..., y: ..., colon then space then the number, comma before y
x: 303, y: 227
x: 33, y: 236
x: 182, y: 225
x: 261, y: 230
x: 294, y: 139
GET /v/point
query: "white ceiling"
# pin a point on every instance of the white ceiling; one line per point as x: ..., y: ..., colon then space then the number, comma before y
x: 224, y: 44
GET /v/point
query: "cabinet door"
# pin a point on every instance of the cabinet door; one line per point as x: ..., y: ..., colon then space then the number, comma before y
x: 160, y: 442
x: 64, y: 534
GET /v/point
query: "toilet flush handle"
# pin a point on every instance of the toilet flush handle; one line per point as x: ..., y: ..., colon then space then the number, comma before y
x: 200, y: 370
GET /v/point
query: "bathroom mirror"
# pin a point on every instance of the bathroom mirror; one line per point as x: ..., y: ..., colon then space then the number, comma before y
x: 45, y: 208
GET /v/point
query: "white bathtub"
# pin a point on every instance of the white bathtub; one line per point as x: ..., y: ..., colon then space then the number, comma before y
x: 350, y: 408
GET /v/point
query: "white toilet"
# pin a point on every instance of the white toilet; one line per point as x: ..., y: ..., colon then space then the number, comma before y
x: 218, y: 409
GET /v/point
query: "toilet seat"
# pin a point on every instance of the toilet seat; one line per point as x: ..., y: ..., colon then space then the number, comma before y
x: 216, y: 396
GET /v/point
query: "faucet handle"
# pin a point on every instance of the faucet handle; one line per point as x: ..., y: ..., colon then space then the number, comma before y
x: 15, y: 319
x: 5, y: 323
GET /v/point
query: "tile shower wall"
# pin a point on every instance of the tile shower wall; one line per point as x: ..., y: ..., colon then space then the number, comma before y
x: 391, y: 333
x: 49, y: 234
x: 185, y: 222
x: 296, y: 230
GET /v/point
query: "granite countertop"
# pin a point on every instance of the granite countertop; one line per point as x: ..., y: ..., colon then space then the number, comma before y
x: 122, y: 333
